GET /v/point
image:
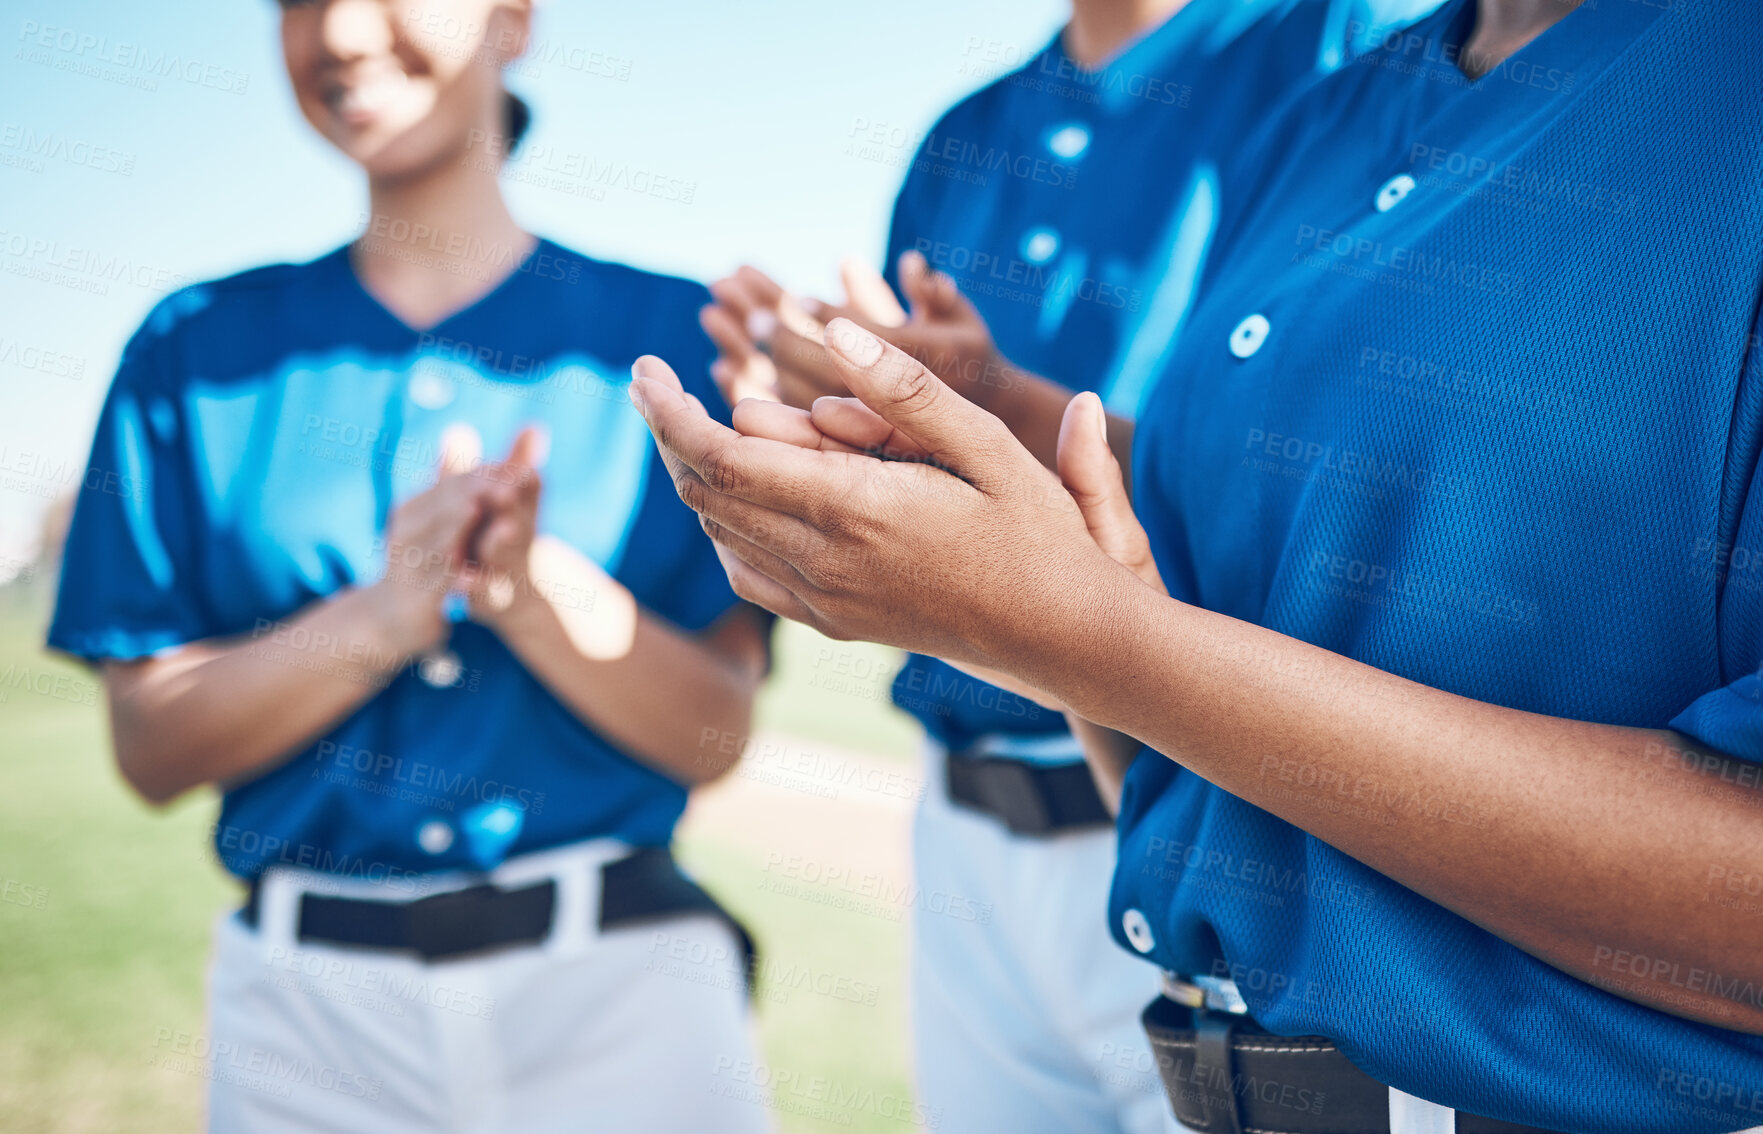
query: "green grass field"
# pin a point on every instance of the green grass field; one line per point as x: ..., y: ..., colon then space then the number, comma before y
x: 106, y: 907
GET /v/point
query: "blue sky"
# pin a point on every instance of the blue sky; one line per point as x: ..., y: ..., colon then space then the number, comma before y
x: 146, y: 145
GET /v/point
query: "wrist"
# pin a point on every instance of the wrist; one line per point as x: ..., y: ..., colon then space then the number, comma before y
x: 512, y: 612
x: 1079, y: 644
x: 511, y: 603
x: 401, y: 620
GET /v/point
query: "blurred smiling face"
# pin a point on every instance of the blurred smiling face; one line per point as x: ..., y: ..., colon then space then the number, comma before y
x: 399, y: 85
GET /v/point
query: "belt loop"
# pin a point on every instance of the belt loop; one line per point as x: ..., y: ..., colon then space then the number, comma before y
x: 1215, y: 1068
x: 575, y: 919
x: 278, y: 915
x: 1412, y: 1115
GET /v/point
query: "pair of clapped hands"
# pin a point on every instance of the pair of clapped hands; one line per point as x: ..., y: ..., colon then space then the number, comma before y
x: 862, y: 494
x: 472, y: 537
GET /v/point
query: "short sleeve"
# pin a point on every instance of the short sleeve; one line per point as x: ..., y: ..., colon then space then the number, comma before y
x: 1730, y: 718
x: 127, y: 586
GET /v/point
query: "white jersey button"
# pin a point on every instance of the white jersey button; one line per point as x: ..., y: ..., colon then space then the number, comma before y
x: 1039, y: 245
x: 1249, y: 335
x: 1138, y: 931
x: 430, y: 390
x: 440, y: 670
x: 1394, y: 191
x: 435, y: 836
x: 1069, y: 141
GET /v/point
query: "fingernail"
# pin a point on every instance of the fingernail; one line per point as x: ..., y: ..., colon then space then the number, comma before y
x: 638, y: 397
x: 760, y: 324
x: 1102, y: 418
x: 857, y: 345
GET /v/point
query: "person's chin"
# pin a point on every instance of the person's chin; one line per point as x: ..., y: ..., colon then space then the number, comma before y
x: 391, y: 155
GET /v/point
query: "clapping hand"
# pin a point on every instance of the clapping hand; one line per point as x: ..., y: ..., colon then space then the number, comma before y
x: 971, y: 550
x: 771, y: 344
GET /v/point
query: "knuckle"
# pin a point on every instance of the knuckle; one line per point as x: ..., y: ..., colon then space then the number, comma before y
x: 830, y: 574
x: 913, y: 390
x: 824, y: 514
x: 719, y: 473
x: 691, y: 490
x: 797, y: 546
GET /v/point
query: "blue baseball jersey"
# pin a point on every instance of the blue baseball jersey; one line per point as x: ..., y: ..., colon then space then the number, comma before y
x: 1075, y: 208
x: 260, y: 431
x: 1473, y: 395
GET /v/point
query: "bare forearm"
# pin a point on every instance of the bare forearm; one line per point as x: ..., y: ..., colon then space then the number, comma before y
x: 1586, y: 845
x: 222, y: 710
x: 645, y: 686
x: 1010, y: 684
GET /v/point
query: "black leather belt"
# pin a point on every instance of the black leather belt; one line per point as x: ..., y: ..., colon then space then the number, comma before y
x: 646, y: 885
x: 1226, y: 1076
x: 1030, y: 799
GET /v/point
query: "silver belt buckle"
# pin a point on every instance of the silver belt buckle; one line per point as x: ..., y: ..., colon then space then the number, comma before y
x: 1180, y: 991
x: 1217, y: 993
